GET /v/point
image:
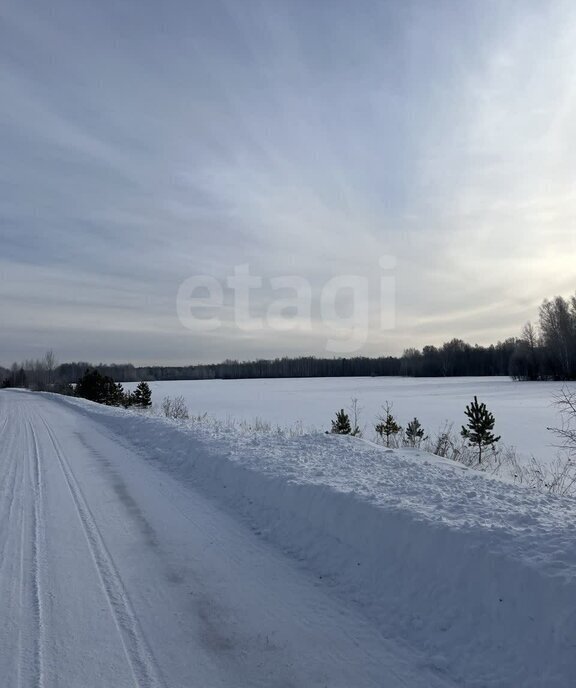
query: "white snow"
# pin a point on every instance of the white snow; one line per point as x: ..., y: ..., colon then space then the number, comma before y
x: 114, y: 574
x: 523, y: 410
x: 221, y: 557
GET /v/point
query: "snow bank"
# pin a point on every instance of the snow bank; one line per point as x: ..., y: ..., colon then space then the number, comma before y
x: 476, y: 573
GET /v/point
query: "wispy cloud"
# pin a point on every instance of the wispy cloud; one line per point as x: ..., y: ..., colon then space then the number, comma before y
x: 143, y: 143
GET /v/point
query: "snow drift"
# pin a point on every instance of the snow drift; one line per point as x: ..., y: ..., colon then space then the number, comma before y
x: 477, y: 574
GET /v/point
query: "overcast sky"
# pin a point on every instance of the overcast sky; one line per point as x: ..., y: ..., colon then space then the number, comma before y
x: 143, y: 143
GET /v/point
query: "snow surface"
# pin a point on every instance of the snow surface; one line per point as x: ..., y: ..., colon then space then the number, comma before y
x: 411, y: 570
x: 119, y: 569
x: 523, y: 410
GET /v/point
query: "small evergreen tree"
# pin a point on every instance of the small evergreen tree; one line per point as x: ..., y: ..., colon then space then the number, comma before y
x: 89, y: 386
x: 115, y: 396
x: 414, y: 433
x: 387, y: 426
x: 64, y: 388
x: 479, y: 429
x: 341, y: 426
x: 142, y: 396
x: 128, y: 399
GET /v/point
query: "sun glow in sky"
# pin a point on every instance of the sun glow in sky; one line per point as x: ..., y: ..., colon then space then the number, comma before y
x: 143, y: 143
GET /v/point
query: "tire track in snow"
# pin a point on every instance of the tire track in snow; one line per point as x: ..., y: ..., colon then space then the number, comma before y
x: 19, y: 585
x: 23, y: 654
x: 30, y: 629
x: 36, y: 591
x: 142, y: 663
x: 4, y: 425
x: 8, y: 492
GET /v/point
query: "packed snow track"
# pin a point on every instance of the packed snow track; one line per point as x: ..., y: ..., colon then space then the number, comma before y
x: 113, y: 573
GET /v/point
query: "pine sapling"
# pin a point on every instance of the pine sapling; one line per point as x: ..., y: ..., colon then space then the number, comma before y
x: 387, y: 426
x: 479, y: 430
x: 341, y: 426
x: 414, y: 433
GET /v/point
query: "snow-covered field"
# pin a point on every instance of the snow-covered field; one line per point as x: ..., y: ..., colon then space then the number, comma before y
x: 523, y: 410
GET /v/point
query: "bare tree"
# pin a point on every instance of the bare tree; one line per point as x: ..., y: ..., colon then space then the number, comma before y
x: 565, y: 402
x: 558, y: 327
x: 530, y: 336
x: 356, y: 410
x: 50, y: 365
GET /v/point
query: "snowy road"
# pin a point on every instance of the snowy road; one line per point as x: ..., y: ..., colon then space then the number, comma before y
x: 114, y: 574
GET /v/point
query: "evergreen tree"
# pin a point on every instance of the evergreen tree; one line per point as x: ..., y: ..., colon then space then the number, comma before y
x: 478, y: 432
x: 64, y: 388
x: 414, y: 433
x: 115, y: 395
x: 89, y: 386
x: 100, y: 388
x: 341, y: 426
x: 128, y: 399
x: 387, y: 426
x: 142, y: 395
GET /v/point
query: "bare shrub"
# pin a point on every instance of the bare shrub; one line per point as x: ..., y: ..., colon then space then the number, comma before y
x: 166, y: 407
x: 554, y: 477
x: 257, y: 424
x: 175, y: 408
x: 450, y: 445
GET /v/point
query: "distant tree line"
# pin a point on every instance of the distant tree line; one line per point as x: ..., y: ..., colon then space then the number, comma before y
x: 70, y: 373
x: 307, y: 366
x: 39, y: 374
x: 545, y: 351
x: 452, y: 359
x: 457, y: 358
